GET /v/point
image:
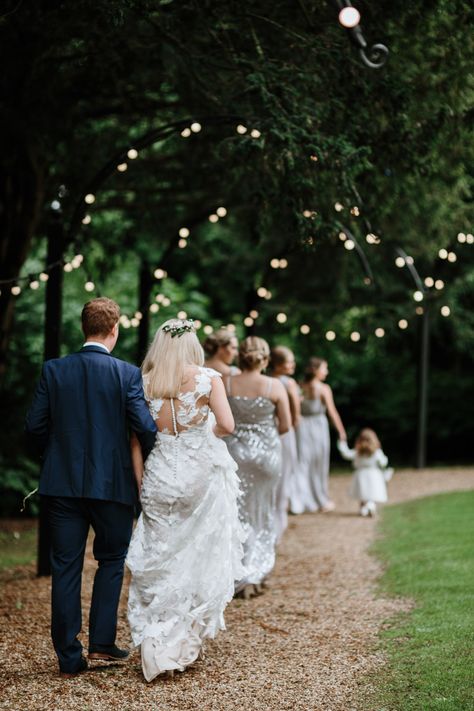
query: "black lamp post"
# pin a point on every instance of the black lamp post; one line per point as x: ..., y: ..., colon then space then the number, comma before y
x: 420, y: 295
x: 374, y: 56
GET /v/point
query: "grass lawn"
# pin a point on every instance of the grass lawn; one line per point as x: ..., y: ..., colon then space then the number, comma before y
x: 427, y: 547
x: 17, y: 544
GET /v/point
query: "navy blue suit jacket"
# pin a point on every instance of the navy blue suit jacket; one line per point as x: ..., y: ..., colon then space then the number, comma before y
x: 80, y: 418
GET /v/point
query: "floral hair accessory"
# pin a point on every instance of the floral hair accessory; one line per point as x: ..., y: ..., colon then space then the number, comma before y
x: 178, y: 327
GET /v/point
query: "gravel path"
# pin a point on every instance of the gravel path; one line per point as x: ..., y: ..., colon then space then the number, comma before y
x: 304, y: 645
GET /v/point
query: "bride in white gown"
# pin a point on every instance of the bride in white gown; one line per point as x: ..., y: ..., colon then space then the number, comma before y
x: 186, y: 551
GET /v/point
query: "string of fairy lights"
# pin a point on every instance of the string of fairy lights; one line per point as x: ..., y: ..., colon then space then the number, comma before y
x: 162, y: 301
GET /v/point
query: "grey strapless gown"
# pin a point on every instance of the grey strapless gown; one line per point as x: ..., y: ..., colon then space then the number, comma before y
x: 314, y: 444
x: 255, y: 446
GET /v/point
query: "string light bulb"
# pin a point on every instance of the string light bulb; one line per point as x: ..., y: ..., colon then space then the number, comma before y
x: 34, y: 284
x: 43, y: 276
x: 281, y: 317
x: 122, y: 167
x: 183, y: 232
x: 283, y: 263
x: 305, y: 329
x: 154, y: 308
x: 445, y: 311
x: 241, y: 129
x: 403, y: 324
x: 86, y: 220
x: 159, y: 273
x: 213, y: 218
x: 439, y: 284
x: 349, y: 17
x: 208, y: 330
x: 254, y: 314
x: 452, y: 257
x: 429, y: 282
x: 255, y: 133
x: 16, y: 290
x: 275, y: 263
x: 196, y: 127
x: 380, y: 332
x: 262, y: 292
x: 221, y: 212
x: 182, y: 315
x: 89, y: 286
x: 248, y: 321
x: 186, y: 132
x: 89, y: 198
x: 443, y: 253
x: 349, y: 244
x: 418, y: 296
x: 400, y: 262
x: 132, y: 153
x: 330, y: 336
x: 355, y: 336
x: 68, y: 267
x: 470, y: 239
x: 182, y: 243
x: 338, y: 207
x: 342, y: 236
x: 461, y: 237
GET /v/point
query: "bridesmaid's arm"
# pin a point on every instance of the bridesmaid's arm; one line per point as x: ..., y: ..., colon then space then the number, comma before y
x: 137, y: 459
x: 282, y: 404
x: 295, y: 402
x: 219, y: 405
x: 333, y: 413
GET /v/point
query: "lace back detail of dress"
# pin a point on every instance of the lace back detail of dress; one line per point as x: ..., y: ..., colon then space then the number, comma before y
x: 190, y: 409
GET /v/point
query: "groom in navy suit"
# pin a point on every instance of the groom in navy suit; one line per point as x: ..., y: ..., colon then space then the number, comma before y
x: 84, y: 406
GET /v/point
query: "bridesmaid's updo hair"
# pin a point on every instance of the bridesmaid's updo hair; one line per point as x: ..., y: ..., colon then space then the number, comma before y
x: 218, y: 339
x: 253, y: 353
x: 279, y: 356
x: 367, y: 442
x: 312, y: 368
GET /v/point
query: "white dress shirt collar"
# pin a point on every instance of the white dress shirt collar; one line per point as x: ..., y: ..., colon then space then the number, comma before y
x: 95, y: 343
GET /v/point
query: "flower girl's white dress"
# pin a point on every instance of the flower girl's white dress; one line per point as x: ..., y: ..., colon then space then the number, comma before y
x: 368, y: 481
x: 186, y: 550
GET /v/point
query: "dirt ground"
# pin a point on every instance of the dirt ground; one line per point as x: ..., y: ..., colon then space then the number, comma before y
x: 306, y: 644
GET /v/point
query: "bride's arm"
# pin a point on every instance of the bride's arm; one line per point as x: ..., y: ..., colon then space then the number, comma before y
x: 137, y: 459
x: 220, y: 407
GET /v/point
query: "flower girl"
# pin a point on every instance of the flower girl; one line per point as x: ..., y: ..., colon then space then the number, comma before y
x: 370, y: 471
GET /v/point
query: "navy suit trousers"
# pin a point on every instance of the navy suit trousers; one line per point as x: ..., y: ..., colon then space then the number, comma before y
x: 70, y: 519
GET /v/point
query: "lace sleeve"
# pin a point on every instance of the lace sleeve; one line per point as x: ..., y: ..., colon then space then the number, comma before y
x: 154, y: 404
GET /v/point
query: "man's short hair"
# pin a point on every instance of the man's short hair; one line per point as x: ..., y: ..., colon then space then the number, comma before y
x: 99, y: 316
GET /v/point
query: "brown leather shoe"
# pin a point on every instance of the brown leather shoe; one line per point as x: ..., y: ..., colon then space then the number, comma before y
x: 70, y: 675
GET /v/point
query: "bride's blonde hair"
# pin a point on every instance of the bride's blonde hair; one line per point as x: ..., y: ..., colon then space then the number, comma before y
x: 174, y: 346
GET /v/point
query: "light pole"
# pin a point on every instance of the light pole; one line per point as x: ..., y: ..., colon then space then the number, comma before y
x: 374, y: 56
x: 424, y: 358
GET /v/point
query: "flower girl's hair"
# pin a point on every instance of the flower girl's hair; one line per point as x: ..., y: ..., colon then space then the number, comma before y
x: 367, y: 442
x: 167, y: 357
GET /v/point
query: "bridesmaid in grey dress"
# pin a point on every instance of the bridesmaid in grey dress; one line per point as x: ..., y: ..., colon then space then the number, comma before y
x: 283, y: 367
x: 221, y: 348
x: 313, y: 437
x: 255, y: 401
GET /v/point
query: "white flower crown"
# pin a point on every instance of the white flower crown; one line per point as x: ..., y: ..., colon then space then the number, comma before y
x: 179, y: 326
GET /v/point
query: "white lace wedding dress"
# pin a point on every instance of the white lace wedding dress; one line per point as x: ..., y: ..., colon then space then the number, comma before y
x: 186, y: 551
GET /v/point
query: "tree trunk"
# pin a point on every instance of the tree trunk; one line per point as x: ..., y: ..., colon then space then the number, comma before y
x: 21, y: 198
x: 52, y: 349
x: 144, y: 290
